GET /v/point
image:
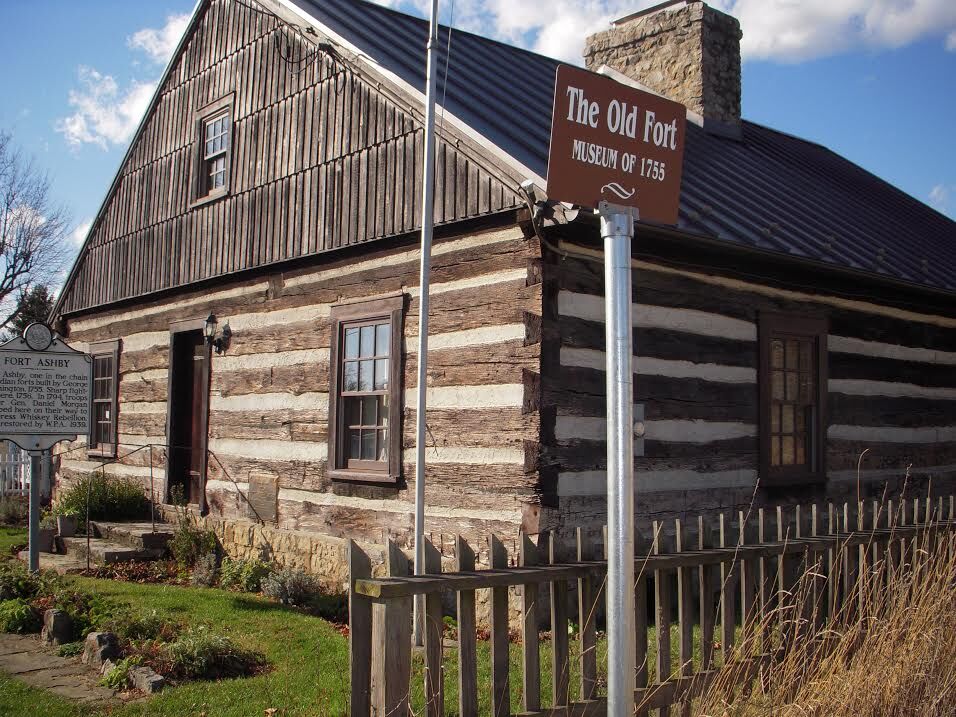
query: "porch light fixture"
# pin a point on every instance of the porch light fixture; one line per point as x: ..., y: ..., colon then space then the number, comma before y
x: 221, y: 342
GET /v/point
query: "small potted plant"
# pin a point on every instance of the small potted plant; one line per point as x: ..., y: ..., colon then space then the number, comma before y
x: 46, y: 533
x: 66, y: 520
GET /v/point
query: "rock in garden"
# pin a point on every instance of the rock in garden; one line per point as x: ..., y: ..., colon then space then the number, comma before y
x: 107, y: 667
x: 145, y: 680
x: 57, y: 627
x: 100, y: 646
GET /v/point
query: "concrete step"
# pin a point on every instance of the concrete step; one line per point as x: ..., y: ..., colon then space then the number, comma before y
x: 63, y: 564
x: 139, y: 536
x: 104, y: 552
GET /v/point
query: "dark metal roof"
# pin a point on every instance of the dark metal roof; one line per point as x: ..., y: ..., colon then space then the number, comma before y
x: 767, y: 190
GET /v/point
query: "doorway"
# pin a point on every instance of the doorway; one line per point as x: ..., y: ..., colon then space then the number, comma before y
x: 188, y: 415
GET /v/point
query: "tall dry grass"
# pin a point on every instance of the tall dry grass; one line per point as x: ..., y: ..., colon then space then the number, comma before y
x: 889, y: 652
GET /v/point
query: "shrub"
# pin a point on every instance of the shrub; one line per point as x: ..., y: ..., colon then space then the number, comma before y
x: 89, y: 611
x: 17, y: 582
x: 290, y: 586
x: 198, y: 653
x: 190, y: 542
x: 333, y: 607
x: 140, y: 626
x: 19, y: 616
x: 206, y: 571
x: 118, y: 677
x: 14, y: 510
x: 110, y: 497
x: 243, y: 575
x: 70, y: 649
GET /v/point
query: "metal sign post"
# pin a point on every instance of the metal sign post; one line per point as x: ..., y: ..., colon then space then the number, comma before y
x: 45, y: 396
x: 617, y: 231
x: 610, y: 141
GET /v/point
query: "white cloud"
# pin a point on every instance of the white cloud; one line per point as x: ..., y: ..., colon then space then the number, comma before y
x: 78, y: 235
x: 941, y: 195
x: 783, y: 30
x: 103, y: 115
x: 159, y: 43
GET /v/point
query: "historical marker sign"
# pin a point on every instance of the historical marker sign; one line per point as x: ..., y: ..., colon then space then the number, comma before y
x: 45, y: 390
x: 615, y: 143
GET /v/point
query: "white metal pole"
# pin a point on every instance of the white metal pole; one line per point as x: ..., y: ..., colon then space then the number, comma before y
x: 617, y: 230
x: 428, y: 211
x: 36, y: 469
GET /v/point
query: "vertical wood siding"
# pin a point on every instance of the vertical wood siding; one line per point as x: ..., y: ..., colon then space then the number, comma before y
x: 321, y: 159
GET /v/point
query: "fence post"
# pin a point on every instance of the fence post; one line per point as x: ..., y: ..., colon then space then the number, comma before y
x: 433, y: 628
x: 531, y: 656
x: 560, y: 665
x: 360, y: 632
x: 392, y: 645
x: 500, y: 659
x: 587, y: 608
x: 467, y: 645
x: 662, y: 616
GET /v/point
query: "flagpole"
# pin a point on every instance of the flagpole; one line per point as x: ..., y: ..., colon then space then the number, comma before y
x: 428, y: 212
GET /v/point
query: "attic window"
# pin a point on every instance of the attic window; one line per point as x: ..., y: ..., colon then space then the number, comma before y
x: 214, y: 146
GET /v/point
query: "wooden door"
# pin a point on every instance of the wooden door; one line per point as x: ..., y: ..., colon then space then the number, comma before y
x: 189, y: 388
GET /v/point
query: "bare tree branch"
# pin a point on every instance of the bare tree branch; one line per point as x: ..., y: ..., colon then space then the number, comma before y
x: 33, y: 229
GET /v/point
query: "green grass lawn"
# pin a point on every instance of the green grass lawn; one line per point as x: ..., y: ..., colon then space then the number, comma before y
x: 9, y: 537
x: 310, y: 664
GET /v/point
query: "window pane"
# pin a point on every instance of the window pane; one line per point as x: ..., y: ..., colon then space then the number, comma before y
x: 351, y: 343
x: 369, y: 410
x: 775, y: 451
x: 368, y: 341
x: 775, y: 419
x: 791, y: 386
x: 351, y: 376
x: 353, y: 411
x: 805, y: 359
x: 381, y: 374
x: 368, y: 445
x: 381, y: 339
x: 209, y: 130
x: 776, y: 383
x: 787, y: 450
x: 382, y: 446
x: 366, y: 378
x: 801, y: 450
x: 792, y: 354
x: 806, y: 389
x: 353, y: 445
x: 787, y: 419
x: 776, y: 353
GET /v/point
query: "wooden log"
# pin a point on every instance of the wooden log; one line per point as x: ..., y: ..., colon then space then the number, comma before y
x: 392, y: 644
x: 360, y: 634
x: 467, y: 643
x: 560, y: 663
x: 530, y: 653
x: 500, y: 660
x: 434, y: 627
x: 748, y: 590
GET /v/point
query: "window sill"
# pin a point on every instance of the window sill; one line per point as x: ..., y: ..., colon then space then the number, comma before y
x: 209, y: 198
x: 381, y: 478
x: 101, y: 454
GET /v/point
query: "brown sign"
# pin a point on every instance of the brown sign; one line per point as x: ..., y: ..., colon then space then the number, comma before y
x: 615, y: 143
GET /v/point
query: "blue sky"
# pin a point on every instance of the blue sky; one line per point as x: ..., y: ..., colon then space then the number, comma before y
x: 874, y: 80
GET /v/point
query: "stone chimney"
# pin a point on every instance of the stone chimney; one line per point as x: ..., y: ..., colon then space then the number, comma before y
x: 683, y: 49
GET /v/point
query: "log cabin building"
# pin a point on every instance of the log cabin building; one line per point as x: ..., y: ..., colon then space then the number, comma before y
x: 801, y: 315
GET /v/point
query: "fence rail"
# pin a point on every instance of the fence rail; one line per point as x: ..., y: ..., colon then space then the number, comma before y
x: 728, y: 577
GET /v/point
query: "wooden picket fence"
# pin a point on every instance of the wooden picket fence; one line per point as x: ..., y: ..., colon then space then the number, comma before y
x: 724, y: 574
x: 14, y: 470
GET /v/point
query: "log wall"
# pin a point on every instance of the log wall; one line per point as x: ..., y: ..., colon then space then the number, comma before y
x: 269, y: 397
x: 892, y: 390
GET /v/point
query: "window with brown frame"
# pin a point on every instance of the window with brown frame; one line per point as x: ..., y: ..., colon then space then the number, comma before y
x: 365, y: 400
x: 102, y: 438
x: 214, y: 129
x: 793, y: 395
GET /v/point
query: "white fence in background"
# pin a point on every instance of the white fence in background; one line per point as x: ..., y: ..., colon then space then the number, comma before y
x: 14, y: 470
